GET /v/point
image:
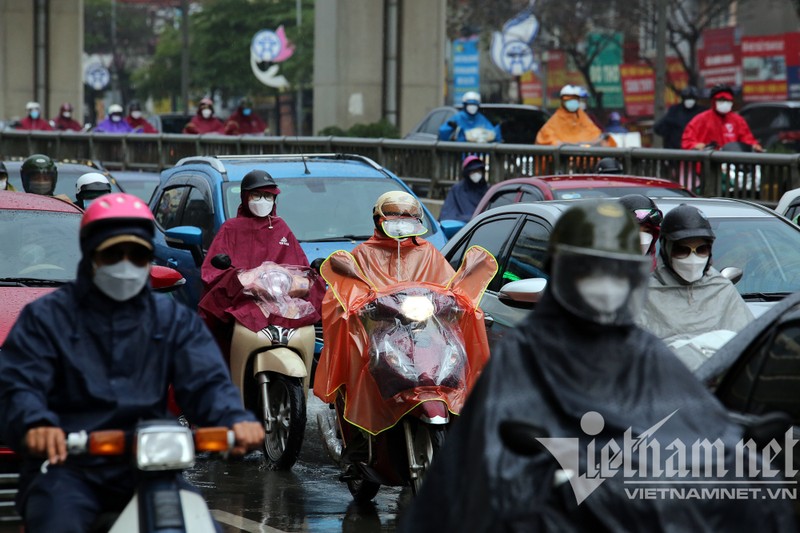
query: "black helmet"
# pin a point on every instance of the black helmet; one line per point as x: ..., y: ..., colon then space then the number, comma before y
x: 35, y: 165
x: 608, y: 165
x: 720, y: 88
x: 686, y: 222
x: 689, y: 92
x: 134, y: 106
x: 598, y: 272
x: 245, y: 102
x: 258, y: 179
x: 3, y: 171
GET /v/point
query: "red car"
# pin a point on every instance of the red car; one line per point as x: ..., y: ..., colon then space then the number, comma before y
x: 39, y: 251
x: 575, y: 186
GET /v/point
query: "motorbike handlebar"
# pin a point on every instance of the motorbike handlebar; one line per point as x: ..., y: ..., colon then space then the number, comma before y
x: 221, y: 261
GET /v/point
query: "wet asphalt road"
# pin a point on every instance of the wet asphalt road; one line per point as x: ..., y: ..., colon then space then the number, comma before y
x: 244, y: 496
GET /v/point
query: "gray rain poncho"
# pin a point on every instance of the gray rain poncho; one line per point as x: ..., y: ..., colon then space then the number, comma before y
x: 693, y: 319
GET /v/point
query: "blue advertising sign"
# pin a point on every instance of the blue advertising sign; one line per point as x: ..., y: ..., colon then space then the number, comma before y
x: 466, y: 67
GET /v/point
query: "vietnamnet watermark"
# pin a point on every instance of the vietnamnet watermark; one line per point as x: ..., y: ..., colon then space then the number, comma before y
x: 651, y: 469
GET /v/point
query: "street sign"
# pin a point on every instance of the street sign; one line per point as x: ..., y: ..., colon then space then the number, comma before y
x: 466, y: 67
x: 96, y: 76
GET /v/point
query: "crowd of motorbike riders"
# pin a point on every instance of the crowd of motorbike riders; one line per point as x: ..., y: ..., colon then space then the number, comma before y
x: 613, y: 333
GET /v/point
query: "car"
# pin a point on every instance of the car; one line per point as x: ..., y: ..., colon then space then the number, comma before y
x: 568, y: 187
x: 137, y: 182
x: 518, y: 123
x: 749, y: 236
x: 68, y: 174
x: 326, y: 199
x: 776, y: 125
x: 170, y: 122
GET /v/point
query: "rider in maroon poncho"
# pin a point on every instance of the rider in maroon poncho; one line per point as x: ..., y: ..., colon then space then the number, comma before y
x: 255, y: 235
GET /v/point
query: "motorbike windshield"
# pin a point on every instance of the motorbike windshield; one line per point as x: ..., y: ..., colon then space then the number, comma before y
x: 279, y: 290
x: 414, y: 341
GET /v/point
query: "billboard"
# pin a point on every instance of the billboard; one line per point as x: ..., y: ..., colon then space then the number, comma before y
x: 719, y: 57
x: 604, y: 71
x: 466, y: 67
x: 770, y: 67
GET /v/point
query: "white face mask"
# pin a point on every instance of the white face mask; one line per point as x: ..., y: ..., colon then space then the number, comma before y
x: 66, y: 114
x: 645, y: 239
x: 116, y: 118
x: 136, y: 114
x: 471, y: 109
x: 261, y: 208
x: 121, y: 281
x: 690, y: 268
x: 475, y: 177
x: 723, y: 107
x: 604, y: 293
x: 206, y: 113
x: 3, y: 184
x: 689, y: 103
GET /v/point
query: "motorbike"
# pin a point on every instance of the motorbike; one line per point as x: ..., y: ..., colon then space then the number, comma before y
x: 272, y: 366
x: 407, y: 350
x: 162, y: 450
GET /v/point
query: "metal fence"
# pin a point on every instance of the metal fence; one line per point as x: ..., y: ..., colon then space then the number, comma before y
x: 431, y: 167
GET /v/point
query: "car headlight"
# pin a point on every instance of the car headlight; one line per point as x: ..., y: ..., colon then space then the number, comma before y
x: 417, y: 308
x: 164, y: 448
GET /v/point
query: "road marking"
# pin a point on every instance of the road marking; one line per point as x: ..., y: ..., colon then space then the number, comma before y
x: 251, y: 526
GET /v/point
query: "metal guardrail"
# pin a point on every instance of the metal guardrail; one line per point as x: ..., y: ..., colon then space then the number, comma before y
x: 430, y: 167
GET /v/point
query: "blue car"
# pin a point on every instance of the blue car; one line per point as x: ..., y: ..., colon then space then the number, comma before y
x: 326, y: 199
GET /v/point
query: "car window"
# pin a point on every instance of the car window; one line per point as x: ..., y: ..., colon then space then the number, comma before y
x: 761, y: 118
x: 341, y: 207
x: 766, y: 249
x: 39, y: 244
x: 168, y: 211
x: 616, y: 192
x: 198, y: 213
x: 518, y: 125
x: 527, y: 256
x: 435, y: 121
x: 503, y: 197
x: 491, y: 234
x: 768, y: 381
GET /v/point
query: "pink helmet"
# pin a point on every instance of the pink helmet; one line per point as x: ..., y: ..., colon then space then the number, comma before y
x: 116, y: 215
x: 472, y: 163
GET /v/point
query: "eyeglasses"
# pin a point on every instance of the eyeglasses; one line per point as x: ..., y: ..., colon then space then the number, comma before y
x: 681, y: 251
x: 136, y: 254
x: 649, y: 216
x: 259, y: 195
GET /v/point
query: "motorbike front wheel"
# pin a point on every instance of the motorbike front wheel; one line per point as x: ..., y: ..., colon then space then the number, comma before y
x: 284, y: 420
x: 425, y: 442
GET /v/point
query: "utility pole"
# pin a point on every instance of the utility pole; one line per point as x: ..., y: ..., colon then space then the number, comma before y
x: 185, y: 55
x: 661, y: 63
x: 299, y: 102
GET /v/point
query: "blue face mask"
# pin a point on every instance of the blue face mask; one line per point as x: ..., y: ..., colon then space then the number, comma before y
x: 34, y: 115
x: 572, y: 105
x: 246, y: 111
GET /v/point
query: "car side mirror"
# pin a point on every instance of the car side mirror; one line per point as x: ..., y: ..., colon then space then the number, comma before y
x: 165, y: 279
x: 451, y: 227
x: 189, y: 238
x: 734, y: 274
x: 522, y: 293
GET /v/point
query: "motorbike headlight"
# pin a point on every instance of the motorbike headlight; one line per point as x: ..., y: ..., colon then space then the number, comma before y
x: 417, y: 308
x: 164, y: 448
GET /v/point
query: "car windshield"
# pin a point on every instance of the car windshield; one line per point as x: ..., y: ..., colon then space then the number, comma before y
x: 325, y: 208
x: 39, y: 245
x: 616, y: 192
x: 65, y: 183
x: 766, y: 249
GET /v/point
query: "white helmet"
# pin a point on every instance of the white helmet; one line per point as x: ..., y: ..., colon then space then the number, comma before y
x: 31, y: 105
x: 114, y: 108
x: 471, y: 97
x: 570, y: 90
x: 90, y: 178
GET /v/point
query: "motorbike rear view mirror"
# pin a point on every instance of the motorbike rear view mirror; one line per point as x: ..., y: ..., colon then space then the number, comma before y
x: 521, y: 437
x: 522, y: 293
x: 734, y: 274
x: 221, y: 261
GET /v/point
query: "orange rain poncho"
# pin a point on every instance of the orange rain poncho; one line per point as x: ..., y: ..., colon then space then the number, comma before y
x: 357, y: 280
x: 566, y: 127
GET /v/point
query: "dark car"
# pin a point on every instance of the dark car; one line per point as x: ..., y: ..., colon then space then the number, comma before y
x: 518, y: 123
x: 68, y: 174
x: 776, y: 125
x: 171, y: 122
x: 749, y: 236
x: 137, y: 182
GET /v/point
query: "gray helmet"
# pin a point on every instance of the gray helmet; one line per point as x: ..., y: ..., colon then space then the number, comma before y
x: 608, y: 165
x: 597, y: 269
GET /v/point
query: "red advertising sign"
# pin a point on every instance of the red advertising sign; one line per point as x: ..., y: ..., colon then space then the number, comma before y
x: 530, y: 89
x: 720, y: 57
x: 558, y: 75
x: 764, y: 68
x: 639, y: 87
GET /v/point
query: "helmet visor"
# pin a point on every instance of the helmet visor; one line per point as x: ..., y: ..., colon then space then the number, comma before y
x: 649, y: 216
x: 602, y: 287
x: 403, y: 227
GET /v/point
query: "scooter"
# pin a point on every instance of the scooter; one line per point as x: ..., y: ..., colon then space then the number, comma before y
x: 272, y: 367
x: 162, y: 450
x: 415, y: 366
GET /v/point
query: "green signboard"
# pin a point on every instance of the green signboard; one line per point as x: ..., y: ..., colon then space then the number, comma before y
x: 604, y: 71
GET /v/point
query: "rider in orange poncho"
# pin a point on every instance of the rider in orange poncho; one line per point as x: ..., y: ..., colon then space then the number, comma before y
x: 569, y: 124
x: 382, y: 265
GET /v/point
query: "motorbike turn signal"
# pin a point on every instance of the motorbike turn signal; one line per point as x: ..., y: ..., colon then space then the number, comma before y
x: 111, y: 442
x: 218, y: 439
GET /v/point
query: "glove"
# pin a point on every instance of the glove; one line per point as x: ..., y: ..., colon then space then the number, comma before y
x: 452, y: 123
